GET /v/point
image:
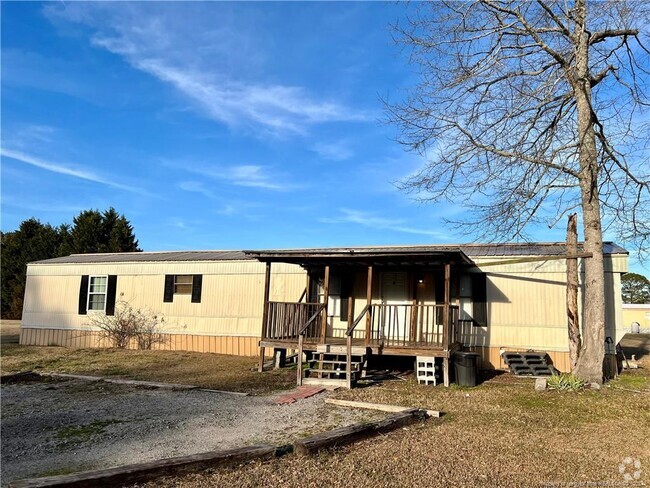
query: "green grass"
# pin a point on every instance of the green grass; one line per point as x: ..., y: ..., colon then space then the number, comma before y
x: 82, y: 433
x: 633, y: 379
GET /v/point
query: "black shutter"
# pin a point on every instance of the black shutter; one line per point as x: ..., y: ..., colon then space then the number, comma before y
x: 110, y: 294
x: 83, y: 295
x: 197, y: 285
x: 169, y: 288
x: 479, y: 299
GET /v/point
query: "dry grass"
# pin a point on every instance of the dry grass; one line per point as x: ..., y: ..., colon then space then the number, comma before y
x: 217, y: 371
x: 9, y: 331
x: 501, y: 433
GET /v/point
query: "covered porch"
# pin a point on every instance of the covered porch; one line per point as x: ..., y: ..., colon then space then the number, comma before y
x: 406, y: 302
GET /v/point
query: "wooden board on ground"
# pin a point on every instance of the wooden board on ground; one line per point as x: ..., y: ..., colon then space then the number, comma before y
x: 377, y: 406
x: 135, y: 473
x: 352, y: 433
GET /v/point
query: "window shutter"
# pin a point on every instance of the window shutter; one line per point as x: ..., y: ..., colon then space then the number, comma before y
x: 169, y: 288
x: 197, y: 285
x: 111, y: 291
x: 83, y: 295
x: 479, y: 299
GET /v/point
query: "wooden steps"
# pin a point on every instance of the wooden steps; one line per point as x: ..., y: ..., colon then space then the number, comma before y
x: 329, y: 366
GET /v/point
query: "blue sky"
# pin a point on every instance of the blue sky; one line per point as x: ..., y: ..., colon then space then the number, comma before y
x: 212, y: 125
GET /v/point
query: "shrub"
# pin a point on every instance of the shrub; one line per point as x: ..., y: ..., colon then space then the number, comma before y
x: 565, y: 381
x: 130, y: 326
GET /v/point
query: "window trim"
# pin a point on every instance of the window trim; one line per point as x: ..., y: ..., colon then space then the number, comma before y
x: 105, y: 293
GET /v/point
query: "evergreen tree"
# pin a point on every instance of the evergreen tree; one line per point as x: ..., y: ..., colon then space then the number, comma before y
x: 636, y: 288
x: 32, y: 241
x: 92, y: 231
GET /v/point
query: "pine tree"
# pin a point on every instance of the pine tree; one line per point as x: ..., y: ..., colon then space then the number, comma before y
x: 92, y: 231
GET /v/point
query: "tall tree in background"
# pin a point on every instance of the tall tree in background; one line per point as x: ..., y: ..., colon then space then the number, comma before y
x: 527, y: 110
x: 636, y: 288
x: 108, y: 231
x: 31, y: 242
x: 92, y: 231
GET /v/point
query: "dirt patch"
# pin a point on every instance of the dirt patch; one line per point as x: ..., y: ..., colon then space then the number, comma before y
x: 58, y: 427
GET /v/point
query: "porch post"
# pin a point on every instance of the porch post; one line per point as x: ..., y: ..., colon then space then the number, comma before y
x: 265, y: 313
x: 326, y: 292
x: 369, y: 303
x: 445, y: 330
x: 308, y: 288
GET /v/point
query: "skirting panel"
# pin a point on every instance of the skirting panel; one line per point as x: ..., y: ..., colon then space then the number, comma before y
x: 235, y: 345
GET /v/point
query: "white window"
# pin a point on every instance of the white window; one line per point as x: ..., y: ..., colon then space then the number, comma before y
x: 97, y: 286
x: 183, y: 284
x: 334, y: 296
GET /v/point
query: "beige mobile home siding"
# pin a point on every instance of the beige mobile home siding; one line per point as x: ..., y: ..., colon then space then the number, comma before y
x: 526, y: 309
x: 229, y: 315
x: 636, y: 313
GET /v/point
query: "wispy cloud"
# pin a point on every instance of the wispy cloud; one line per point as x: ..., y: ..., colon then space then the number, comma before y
x: 65, y: 169
x: 367, y: 219
x: 195, y: 187
x: 334, y: 151
x: 207, y: 64
x: 246, y: 175
x: 20, y: 203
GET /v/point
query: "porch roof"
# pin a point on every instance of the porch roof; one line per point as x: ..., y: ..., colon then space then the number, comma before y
x: 367, y: 256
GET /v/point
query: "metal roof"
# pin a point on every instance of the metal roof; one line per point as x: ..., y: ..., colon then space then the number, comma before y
x: 146, y: 257
x: 462, y: 251
x: 471, y: 250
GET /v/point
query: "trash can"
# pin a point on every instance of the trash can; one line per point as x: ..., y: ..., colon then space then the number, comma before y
x: 466, y: 368
x: 635, y: 328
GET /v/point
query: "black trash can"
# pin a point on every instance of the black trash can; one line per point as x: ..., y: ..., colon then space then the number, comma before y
x: 466, y: 368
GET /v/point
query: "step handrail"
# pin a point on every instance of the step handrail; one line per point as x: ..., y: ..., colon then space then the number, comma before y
x: 348, y: 356
x: 316, y: 314
x: 301, y: 338
x: 366, y: 309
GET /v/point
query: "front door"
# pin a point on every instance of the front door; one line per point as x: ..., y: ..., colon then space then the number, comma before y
x: 395, y: 295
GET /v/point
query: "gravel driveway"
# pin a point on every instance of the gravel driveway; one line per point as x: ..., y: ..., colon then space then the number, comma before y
x: 55, y: 427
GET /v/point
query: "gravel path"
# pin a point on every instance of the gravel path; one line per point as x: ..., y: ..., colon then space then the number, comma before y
x: 55, y: 427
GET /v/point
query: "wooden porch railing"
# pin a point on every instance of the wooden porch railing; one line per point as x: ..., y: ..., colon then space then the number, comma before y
x: 411, y: 325
x: 284, y: 321
x: 407, y: 325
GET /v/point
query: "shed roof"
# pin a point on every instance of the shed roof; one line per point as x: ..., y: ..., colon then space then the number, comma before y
x: 459, y: 250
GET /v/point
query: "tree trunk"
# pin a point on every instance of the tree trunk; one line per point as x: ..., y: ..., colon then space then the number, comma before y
x: 590, y: 362
x: 575, y: 341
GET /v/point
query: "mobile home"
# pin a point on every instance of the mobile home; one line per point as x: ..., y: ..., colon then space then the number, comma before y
x: 396, y: 300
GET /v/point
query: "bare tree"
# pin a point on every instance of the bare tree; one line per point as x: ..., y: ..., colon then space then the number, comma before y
x: 528, y: 110
x: 572, y: 284
x: 129, y: 326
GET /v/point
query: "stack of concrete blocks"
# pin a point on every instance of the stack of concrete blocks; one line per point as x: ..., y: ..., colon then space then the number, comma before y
x: 426, y: 370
